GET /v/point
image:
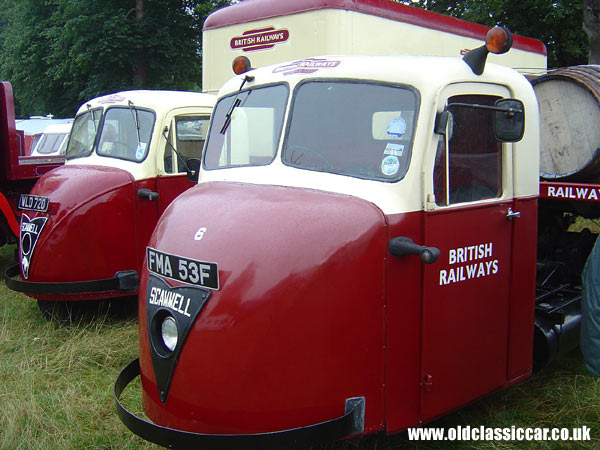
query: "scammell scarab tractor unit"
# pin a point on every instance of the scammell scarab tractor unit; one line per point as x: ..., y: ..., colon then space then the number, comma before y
x: 85, y: 225
x: 359, y: 255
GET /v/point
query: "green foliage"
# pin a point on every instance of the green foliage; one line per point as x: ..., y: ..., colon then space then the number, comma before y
x: 557, y: 23
x: 59, y: 53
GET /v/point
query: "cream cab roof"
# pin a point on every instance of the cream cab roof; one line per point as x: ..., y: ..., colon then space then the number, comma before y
x: 165, y: 104
x: 158, y: 101
x: 430, y: 76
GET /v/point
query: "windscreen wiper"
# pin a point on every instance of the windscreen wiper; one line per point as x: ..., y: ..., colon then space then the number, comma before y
x: 89, y: 108
x: 236, y: 102
x: 181, y: 159
x: 136, y: 120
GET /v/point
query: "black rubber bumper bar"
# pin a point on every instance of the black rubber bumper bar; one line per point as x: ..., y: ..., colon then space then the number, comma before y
x: 352, y: 422
x: 125, y: 281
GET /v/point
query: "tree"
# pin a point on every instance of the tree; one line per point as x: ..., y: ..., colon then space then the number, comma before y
x: 557, y: 23
x: 59, y: 53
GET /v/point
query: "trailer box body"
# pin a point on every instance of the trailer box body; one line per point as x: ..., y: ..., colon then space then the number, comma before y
x: 268, y: 31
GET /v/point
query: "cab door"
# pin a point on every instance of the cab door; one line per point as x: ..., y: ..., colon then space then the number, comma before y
x: 469, y: 195
x: 181, y: 140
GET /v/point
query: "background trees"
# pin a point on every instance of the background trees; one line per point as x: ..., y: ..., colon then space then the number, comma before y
x: 557, y: 23
x: 59, y: 53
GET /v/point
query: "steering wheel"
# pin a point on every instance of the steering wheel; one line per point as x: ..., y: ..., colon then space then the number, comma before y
x: 118, y: 148
x: 312, y: 151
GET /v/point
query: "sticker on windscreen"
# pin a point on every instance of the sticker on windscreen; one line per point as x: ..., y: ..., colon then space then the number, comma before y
x: 397, y: 127
x: 390, y: 166
x: 394, y: 150
x: 141, y: 150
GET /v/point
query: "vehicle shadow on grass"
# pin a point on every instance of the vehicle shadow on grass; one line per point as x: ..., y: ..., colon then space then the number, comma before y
x: 114, y: 310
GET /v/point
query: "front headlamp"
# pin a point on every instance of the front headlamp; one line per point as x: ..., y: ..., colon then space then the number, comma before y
x: 168, y: 332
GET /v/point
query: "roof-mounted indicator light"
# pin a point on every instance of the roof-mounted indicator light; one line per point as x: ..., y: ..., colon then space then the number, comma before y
x: 241, y: 65
x: 498, y: 40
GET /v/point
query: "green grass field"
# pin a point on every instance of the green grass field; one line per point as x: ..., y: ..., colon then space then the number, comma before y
x: 56, y: 388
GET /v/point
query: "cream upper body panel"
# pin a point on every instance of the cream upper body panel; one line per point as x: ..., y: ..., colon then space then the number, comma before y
x: 428, y: 77
x: 162, y: 105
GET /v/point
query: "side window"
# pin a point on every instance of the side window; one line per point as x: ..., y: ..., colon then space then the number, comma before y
x: 185, y: 140
x: 170, y: 159
x: 468, y: 165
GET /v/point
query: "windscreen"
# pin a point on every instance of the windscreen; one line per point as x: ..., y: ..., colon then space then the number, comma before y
x: 352, y: 128
x: 83, y: 134
x: 246, y: 128
x: 50, y: 143
x: 126, y: 133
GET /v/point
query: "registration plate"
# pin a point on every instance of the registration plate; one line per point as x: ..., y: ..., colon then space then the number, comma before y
x: 190, y: 271
x: 33, y: 202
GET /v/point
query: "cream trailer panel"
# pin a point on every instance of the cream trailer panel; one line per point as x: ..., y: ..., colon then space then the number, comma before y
x: 272, y: 31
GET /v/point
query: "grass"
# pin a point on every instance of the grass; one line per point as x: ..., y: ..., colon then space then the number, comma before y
x: 56, y: 389
x: 56, y: 378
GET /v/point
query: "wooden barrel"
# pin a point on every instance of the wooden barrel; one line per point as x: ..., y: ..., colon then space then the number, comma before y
x: 569, y: 100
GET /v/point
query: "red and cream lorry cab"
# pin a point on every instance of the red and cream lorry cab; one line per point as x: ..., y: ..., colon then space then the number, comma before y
x: 359, y: 255
x: 85, y: 225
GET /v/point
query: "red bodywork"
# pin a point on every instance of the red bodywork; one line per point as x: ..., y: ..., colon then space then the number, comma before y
x: 18, y: 173
x: 97, y: 225
x: 312, y: 309
x: 89, y: 229
x: 301, y: 289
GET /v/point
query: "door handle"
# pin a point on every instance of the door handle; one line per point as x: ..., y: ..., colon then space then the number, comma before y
x: 512, y: 214
x: 147, y: 194
x: 403, y: 246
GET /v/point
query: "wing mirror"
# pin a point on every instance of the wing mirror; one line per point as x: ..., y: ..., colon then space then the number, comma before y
x: 509, y: 120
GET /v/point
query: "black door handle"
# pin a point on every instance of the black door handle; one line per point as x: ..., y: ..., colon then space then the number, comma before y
x: 147, y: 194
x: 403, y: 246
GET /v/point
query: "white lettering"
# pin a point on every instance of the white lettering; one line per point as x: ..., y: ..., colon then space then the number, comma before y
x: 471, y: 271
x: 451, y: 276
x: 481, y: 271
x: 582, y: 192
x: 204, y: 272
x: 486, y: 266
x: 29, y: 227
x: 200, y: 234
x: 443, y: 274
x: 169, y: 299
x: 488, y: 250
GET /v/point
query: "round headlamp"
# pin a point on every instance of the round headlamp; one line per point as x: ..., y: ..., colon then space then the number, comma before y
x: 168, y: 332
